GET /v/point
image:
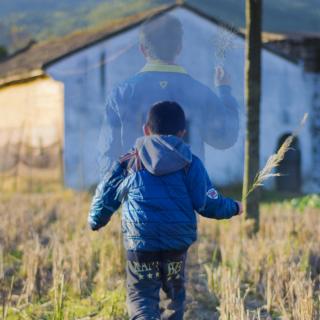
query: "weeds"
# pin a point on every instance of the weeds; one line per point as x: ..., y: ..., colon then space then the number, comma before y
x: 53, y: 267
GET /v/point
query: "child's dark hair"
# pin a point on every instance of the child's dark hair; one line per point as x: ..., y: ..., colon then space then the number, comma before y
x: 166, y: 117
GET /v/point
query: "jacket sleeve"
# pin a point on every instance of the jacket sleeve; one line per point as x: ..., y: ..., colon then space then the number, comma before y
x: 206, y: 200
x: 105, y: 201
x: 221, y: 119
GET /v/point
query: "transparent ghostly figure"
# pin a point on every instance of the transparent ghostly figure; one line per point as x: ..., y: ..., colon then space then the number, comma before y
x: 177, y: 67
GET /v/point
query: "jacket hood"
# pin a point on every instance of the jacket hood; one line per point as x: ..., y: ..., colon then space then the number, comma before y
x: 162, y: 154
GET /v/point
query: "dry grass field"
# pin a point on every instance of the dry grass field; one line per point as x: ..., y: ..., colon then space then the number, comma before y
x: 53, y: 267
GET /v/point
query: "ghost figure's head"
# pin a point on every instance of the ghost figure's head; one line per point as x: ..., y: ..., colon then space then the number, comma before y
x: 161, y: 38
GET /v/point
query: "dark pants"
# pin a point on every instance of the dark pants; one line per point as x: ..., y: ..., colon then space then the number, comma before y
x: 147, y: 273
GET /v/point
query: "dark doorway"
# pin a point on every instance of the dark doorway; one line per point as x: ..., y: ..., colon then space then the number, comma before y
x: 290, y: 168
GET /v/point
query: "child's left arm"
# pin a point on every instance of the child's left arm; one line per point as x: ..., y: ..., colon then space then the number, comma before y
x: 207, y: 201
x: 105, y: 201
x: 219, y: 207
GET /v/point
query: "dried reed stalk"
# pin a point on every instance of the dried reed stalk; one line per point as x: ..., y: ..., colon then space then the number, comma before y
x: 224, y: 42
x: 275, y: 159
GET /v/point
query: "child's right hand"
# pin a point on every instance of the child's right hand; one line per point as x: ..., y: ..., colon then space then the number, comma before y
x: 240, y: 207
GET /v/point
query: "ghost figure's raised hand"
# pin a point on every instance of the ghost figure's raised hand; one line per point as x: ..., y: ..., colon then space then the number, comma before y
x: 222, y: 77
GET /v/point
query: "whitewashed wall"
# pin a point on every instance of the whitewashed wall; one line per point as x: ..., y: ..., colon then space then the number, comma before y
x: 31, y: 113
x: 286, y: 96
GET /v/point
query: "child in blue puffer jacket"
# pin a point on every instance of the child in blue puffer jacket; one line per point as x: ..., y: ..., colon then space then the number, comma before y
x: 161, y: 186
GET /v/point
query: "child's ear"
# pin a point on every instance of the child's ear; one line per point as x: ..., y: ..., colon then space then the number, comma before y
x: 146, y: 130
x: 182, y: 133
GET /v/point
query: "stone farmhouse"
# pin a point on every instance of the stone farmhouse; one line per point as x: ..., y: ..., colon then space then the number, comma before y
x: 52, y: 97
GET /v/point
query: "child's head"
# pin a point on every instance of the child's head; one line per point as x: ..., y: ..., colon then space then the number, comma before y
x: 166, y: 118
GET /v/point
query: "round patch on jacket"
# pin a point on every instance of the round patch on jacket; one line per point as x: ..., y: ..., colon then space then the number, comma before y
x: 213, y: 194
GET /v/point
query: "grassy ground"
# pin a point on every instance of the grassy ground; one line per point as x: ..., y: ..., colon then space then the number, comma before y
x: 53, y: 267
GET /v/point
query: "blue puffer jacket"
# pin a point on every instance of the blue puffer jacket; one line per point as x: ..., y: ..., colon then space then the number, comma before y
x: 161, y: 186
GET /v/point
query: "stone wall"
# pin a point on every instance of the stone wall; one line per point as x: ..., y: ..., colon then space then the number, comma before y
x: 31, y: 130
